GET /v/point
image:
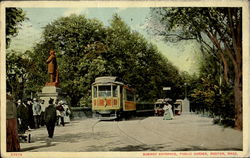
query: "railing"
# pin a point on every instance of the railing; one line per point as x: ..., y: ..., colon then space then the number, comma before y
x: 80, y: 112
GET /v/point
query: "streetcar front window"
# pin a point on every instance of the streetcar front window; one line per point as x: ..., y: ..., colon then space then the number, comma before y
x: 104, y: 91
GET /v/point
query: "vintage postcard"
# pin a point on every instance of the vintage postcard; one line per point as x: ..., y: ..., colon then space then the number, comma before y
x: 143, y: 79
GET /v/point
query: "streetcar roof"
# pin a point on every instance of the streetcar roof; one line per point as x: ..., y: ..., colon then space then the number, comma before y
x: 107, y: 80
x: 159, y: 101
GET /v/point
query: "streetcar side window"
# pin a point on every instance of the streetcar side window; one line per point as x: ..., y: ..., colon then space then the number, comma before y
x: 115, y: 91
x: 104, y: 91
x: 95, y: 91
x: 130, y: 96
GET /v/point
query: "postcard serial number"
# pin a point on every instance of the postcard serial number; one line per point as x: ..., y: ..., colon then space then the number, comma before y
x: 16, y: 154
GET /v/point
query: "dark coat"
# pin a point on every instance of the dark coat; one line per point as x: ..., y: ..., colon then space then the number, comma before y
x: 50, y: 114
x: 11, y: 111
x: 23, y: 114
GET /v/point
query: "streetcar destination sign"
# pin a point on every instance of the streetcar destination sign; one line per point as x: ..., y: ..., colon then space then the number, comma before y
x: 166, y: 88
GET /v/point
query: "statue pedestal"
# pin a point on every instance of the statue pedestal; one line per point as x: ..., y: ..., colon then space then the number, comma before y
x: 185, y: 106
x: 49, y: 92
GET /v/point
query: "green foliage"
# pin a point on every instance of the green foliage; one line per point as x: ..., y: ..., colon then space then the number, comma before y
x: 85, y: 49
x: 137, y: 62
x: 219, y: 32
x: 14, y: 18
x: 77, y: 43
x: 215, y: 96
x: 18, y: 68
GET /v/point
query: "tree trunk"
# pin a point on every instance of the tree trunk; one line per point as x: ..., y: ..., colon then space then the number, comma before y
x: 238, y: 102
x: 225, y: 67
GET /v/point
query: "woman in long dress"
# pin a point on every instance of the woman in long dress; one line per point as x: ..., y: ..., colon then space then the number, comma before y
x: 168, y: 113
x: 67, y: 112
x: 12, y: 140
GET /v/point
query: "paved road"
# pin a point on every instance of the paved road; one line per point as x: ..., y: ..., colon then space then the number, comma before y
x: 183, y: 133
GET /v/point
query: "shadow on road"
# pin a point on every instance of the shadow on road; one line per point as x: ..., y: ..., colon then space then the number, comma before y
x: 198, y: 148
x: 126, y: 119
x: 142, y: 147
x: 38, y: 147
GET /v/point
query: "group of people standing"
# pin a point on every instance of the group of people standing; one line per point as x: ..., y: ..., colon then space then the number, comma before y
x: 28, y: 114
x: 62, y: 112
x: 20, y: 117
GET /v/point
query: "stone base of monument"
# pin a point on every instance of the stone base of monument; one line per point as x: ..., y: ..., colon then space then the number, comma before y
x: 185, y: 106
x: 49, y: 92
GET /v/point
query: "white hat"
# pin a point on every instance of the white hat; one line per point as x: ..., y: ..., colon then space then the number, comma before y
x: 19, y: 101
x: 35, y: 99
x: 60, y: 102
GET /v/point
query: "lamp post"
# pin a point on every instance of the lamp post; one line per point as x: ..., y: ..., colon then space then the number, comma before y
x: 185, y: 84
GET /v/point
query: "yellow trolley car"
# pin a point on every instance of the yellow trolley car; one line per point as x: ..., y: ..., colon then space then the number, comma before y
x: 112, y: 99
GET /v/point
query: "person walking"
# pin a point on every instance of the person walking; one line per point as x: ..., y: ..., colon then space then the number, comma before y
x: 12, y: 140
x: 168, y: 113
x: 60, y: 108
x: 67, y: 112
x: 50, y: 118
x: 36, y: 112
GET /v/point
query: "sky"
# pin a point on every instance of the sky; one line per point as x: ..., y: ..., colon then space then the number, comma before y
x: 184, y: 55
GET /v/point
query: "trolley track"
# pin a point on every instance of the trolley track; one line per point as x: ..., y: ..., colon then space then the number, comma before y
x: 128, y: 138
x: 135, y: 140
x: 93, y: 126
x: 132, y: 140
x: 162, y: 135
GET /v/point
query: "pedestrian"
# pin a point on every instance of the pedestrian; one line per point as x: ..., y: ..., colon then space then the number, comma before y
x: 30, y: 109
x: 22, y: 116
x: 12, y: 140
x: 50, y: 118
x: 61, y: 115
x: 58, y: 116
x: 168, y: 113
x: 67, y: 112
x: 42, y: 123
x: 57, y: 112
x: 36, y: 107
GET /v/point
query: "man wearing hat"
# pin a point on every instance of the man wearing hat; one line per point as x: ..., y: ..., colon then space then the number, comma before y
x: 23, y: 117
x: 50, y: 118
x: 36, y: 112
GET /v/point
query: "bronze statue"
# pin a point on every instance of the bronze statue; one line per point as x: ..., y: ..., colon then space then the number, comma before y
x: 52, y: 69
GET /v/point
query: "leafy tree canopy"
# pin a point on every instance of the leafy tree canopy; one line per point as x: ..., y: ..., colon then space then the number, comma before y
x: 86, y: 49
x: 219, y: 32
x: 14, y: 18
